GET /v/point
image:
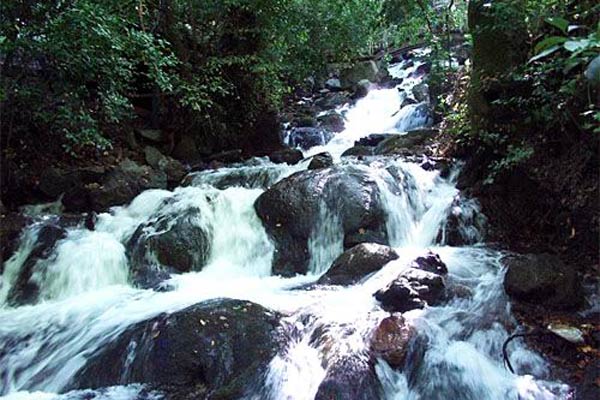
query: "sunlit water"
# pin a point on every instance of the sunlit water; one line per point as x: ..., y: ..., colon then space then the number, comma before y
x: 87, y: 299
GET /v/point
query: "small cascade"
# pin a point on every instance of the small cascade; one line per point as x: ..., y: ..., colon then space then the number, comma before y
x: 90, y: 294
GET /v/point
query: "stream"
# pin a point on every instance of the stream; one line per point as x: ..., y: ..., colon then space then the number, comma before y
x: 87, y: 298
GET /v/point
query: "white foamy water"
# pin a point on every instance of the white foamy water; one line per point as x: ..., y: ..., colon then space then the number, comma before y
x: 87, y: 298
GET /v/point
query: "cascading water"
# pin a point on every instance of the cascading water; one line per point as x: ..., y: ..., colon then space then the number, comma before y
x: 87, y: 298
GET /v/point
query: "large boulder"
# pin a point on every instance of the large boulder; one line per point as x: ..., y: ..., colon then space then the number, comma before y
x: 305, y: 138
x: 124, y: 183
x: 25, y: 290
x: 290, y: 210
x: 390, y: 340
x: 170, y: 243
x: 358, y: 262
x: 544, y: 280
x: 350, y: 77
x: 215, y: 349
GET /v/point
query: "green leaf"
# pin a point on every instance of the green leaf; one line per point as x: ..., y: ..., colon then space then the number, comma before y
x: 549, y: 42
x: 559, y: 23
x: 577, y: 45
x: 545, y: 53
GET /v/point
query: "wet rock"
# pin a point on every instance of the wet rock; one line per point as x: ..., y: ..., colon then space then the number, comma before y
x: 305, y: 121
x: 421, y: 92
x: 168, y: 244
x: 413, y: 142
x: 421, y: 70
x: 358, y: 151
x: 332, y: 122
x: 390, y: 340
x: 407, y: 101
x: 464, y: 224
x: 333, y: 84
x: 215, y: 349
x: 290, y: 210
x: 174, y: 170
x: 374, y: 139
x: 414, y: 288
x: 358, y: 262
x: 11, y: 226
x: 305, y: 138
x: 333, y: 100
x: 26, y: 290
x: 542, y: 279
x: 430, y: 262
x: 124, y: 183
x: 153, y: 135
x: 350, y: 77
x: 349, y: 378
x: 362, y: 88
x: 227, y: 157
x: 71, y: 184
x: 321, y: 160
x: 288, y: 155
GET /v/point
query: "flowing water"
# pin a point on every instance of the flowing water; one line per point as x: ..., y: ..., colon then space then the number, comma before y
x: 87, y: 298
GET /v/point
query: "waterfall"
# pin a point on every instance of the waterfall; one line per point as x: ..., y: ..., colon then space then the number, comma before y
x: 88, y: 296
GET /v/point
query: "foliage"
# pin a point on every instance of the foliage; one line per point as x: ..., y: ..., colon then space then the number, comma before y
x: 545, y: 100
x: 75, y: 69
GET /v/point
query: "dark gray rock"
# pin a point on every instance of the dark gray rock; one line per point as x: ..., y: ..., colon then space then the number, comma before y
x: 153, y: 135
x: 544, y: 280
x: 333, y: 100
x: 216, y: 349
x: 290, y: 210
x: 288, y: 155
x: 305, y: 138
x: 358, y: 151
x: 413, y: 142
x: 350, y: 378
x: 124, y: 183
x: 351, y: 76
x: 362, y: 88
x: 11, y: 227
x: 419, y: 285
x: 321, y: 160
x: 358, y: 262
x: 174, y: 170
x: 26, y: 290
x: 430, y: 262
x: 374, y: 139
x: 332, y: 122
x: 421, y: 92
x: 168, y: 244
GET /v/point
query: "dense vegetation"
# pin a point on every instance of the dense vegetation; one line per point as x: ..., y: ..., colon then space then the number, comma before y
x: 77, y: 70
